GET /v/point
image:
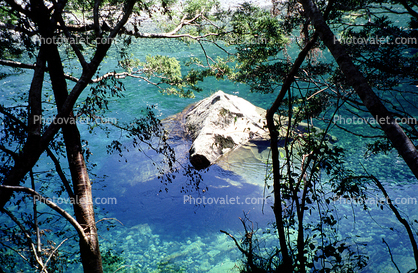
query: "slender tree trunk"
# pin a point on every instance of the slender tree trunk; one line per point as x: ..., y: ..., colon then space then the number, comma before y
x: 277, y: 188
x: 278, y: 211
x: 355, y: 78
x: 36, y: 143
x: 83, y: 209
x: 32, y: 149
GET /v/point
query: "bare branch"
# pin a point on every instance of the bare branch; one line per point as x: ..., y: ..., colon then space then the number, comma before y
x: 399, y: 217
x: 35, y: 215
x: 79, y: 28
x: 184, y: 22
x: 243, y: 251
x: 166, y: 35
x: 408, y: 8
x: 18, y: 253
x: 29, y: 239
x: 391, y: 256
x: 96, y: 25
x: 73, y: 45
x: 32, y: 66
x: 17, y: 64
x: 60, y: 173
x: 52, y: 205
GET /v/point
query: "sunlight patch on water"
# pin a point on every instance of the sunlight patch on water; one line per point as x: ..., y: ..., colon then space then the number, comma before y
x: 249, y: 161
x: 143, y: 249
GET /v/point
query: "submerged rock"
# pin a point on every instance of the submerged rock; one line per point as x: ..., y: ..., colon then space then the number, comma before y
x: 220, y: 124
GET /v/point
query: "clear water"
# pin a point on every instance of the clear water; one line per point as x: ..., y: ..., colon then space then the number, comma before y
x: 156, y: 231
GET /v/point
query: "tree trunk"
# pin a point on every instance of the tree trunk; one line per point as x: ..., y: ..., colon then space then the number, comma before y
x: 30, y: 153
x: 32, y: 148
x: 355, y: 78
x: 278, y: 211
x: 83, y: 209
x: 36, y: 144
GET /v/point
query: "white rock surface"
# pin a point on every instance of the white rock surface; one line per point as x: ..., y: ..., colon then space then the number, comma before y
x: 232, y: 4
x: 220, y: 124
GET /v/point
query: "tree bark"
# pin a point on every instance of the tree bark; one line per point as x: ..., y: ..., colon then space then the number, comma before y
x: 355, y: 78
x: 83, y: 210
x: 28, y: 157
x: 32, y: 148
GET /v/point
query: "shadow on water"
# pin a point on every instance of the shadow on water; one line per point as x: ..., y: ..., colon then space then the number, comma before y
x: 171, y: 222
x: 179, y: 208
x: 176, y: 226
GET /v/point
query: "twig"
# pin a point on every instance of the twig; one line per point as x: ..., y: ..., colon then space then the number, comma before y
x: 49, y: 257
x: 107, y: 219
x: 236, y: 242
x: 391, y: 256
x: 52, y: 205
x: 18, y: 253
x: 400, y: 219
x: 60, y: 173
x: 35, y: 214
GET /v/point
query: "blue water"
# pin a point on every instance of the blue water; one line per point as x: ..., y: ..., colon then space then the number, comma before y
x: 175, y: 226
x: 150, y: 227
x: 144, y: 202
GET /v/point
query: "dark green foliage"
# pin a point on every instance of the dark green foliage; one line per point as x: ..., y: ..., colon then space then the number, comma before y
x: 112, y: 262
x: 259, y: 39
x: 378, y: 146
x: 97, y: 101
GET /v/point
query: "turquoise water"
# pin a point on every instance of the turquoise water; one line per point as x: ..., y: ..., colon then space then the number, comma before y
x: 182, y: 236
x: 157, y: 231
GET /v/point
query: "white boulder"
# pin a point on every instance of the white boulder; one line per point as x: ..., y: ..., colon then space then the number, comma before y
x: 220, y: 124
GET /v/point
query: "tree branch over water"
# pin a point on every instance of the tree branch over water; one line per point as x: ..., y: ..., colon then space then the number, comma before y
x: 52, y: 205
x: 393, y: 131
